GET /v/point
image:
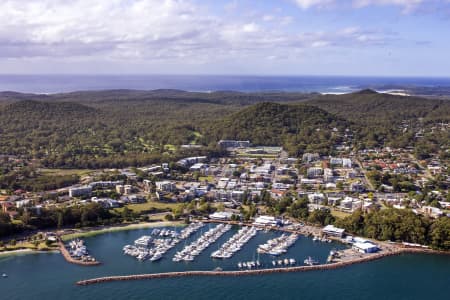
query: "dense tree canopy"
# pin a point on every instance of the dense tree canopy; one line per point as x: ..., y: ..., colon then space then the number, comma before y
x: 399, y: 225
x: 125, y: 128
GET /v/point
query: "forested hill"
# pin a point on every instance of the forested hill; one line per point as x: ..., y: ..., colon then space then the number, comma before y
x: 32, y: 110
x: 371, y: 107
x: 297, y: 127
x: 121, y: 127
x: 39, y: 128
x: 177, y: 96
x: 383, y: 119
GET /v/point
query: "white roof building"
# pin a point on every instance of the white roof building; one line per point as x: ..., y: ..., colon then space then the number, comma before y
x: 221, y: 215
x: 367, y: 247
x: 334, y: 231
x: 265, y: 221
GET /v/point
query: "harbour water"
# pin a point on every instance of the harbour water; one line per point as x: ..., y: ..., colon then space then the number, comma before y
x: 49, y: 276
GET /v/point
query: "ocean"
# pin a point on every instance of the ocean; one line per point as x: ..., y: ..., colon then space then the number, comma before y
x: 49, y: 276
x: 322, y: 84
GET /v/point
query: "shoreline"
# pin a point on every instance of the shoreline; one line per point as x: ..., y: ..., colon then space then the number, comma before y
x: 115, y: 228
x: 90, y: 232
x: 26, y: 252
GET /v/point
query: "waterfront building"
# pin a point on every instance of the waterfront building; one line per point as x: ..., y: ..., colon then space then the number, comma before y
x: 366, y: 247
x: 333, y: 231
x: 266, y: 221
x: 221, y: 215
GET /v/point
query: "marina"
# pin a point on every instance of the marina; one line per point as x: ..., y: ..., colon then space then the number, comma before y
x: 153, y: 247
x: 323, y: 239
x: 57, y: 278
x: 194, y: 249
x: 235, y: 243
x: 278, y: 245
x: 312, y: 266
x: 76, y: 252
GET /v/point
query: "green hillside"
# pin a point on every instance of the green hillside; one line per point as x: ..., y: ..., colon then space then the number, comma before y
x: 298, y: 127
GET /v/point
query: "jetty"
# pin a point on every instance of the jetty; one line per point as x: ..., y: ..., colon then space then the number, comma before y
x: 65, y: 253
x: 332, y: 266
x: 235, y: 243
x: 279, y: 245
x: 195, y: 248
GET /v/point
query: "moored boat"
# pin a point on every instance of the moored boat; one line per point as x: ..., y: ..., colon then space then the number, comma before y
x: 310, y: 261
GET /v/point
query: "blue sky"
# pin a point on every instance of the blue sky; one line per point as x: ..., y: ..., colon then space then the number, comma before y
x: 278, y: 37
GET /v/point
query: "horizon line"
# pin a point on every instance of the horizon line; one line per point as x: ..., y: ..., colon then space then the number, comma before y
x: 226, y: 75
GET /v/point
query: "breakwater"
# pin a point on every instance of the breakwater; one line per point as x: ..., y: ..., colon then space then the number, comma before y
x: 65, y: 253
x: 341, y: 264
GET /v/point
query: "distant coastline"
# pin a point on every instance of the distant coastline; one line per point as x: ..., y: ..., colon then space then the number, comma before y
x: 52, y: 84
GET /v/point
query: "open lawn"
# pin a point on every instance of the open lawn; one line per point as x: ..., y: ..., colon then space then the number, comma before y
x: 339, y: 214
x: 62, y: 172
x: 257, y: 155
x: 148, y: 206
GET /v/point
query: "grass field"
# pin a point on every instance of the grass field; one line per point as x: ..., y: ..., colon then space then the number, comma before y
x: 257, y: 155
x: 339, y: 214
x: 62, y: 172
x: 150, y: 205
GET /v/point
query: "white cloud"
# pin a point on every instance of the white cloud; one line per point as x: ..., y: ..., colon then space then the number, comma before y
x: 305, y: 4
x: 250, y: 28
x: 319, y: 44
x: 68, y: 27
x: 154, y: 30
x: 286, y: 20
x: 407, y: 5
x: 268, y: 18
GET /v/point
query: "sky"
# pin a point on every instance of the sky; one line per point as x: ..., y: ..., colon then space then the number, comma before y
x: 245, y: 37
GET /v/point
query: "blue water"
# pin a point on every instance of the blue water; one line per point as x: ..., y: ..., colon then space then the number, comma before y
x: 329, y: 84
x: 48, y: 276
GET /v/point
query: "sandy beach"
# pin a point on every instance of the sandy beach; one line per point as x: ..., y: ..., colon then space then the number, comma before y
x: 25, y: 251
x: 97, y: 230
